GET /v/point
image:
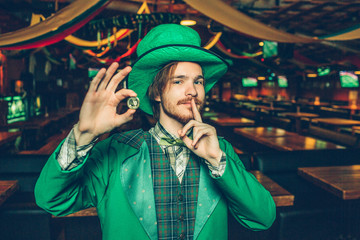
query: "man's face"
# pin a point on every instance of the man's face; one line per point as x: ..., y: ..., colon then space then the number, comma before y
x: 186, y: 83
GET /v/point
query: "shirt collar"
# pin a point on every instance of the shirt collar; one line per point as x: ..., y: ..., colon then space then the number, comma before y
x: 158, y: 132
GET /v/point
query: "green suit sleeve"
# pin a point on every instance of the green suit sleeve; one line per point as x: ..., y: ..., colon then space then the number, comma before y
x: 249, y: 202
x: 63, y: 192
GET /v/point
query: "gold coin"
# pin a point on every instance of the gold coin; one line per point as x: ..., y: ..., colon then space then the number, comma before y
x: 133, y: 102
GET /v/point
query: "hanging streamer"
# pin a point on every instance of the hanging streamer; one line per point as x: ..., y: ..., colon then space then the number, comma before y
x: 108, y: 37
x: 119, y: 34
x: 91, y: 53
x: 128, y: 53
x: 116, y: 36
x: 98, y: 37
x: 94, y: 44
x: 115, y: 39
x: 55, y: 28
x: 227, y: 52
x: 213, y: 41
x: 36, y: 18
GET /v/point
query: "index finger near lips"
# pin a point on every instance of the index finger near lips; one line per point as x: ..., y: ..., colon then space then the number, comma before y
x: 196, y: 113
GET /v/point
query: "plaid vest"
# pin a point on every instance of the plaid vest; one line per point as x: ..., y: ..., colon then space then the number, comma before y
x: 175, y: 203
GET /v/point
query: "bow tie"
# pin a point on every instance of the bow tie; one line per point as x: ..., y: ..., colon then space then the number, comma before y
x: 175, y: 142
x: 171, y: 142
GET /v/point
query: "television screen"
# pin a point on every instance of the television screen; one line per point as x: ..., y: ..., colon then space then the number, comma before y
x: 348, y: 79
x: 282, y: 81
x: 249, y: 82
x: 270, y: 49
x: 16, y: 109
x: 323, y: 71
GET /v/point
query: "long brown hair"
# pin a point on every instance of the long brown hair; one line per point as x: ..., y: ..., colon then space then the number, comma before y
x: 158, y: 86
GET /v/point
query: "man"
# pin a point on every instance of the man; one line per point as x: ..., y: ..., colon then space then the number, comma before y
x: 176, y: 181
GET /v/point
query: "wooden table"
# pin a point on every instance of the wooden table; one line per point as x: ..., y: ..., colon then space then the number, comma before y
x: 282, y: 140
x: 342, y: 181
x: 297, y: 116
x: 320, y: 104
x: 355, y: 130
x: 8, y: 144
x: 336, y: 123
x: 351, y: 109
x: 8, y: 137
x: 36, y: 130
x: 300, y: 115
x: 213, y: 115
x: 270, y: 110
x: 49, y: 147
x: 232, y: 122
x: 281, y: 196
x: 263, y: 132
x: 7, y: 188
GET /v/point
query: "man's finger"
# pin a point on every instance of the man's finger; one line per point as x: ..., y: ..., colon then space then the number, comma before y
x: 186, y: 128
x: 196, y: 113
x: 125, y: 117
x: 125, y: 93
x: 188, y: 142
x: 114, y: 82
x: 95, y: 81
x: 197, y: 135
x: 108, y: 75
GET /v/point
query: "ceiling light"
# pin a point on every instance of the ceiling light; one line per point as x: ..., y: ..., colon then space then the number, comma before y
x: 188, y: 22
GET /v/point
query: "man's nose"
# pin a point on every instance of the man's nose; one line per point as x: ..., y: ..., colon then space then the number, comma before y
x: 191, y: 90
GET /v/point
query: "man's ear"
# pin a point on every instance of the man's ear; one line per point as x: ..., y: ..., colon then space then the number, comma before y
x: 157, y: 98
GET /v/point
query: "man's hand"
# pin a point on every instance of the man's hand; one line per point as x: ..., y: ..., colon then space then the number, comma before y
x: 98, y: 111
x: 205, y: 143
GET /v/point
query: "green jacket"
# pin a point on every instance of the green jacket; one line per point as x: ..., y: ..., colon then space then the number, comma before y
x: 116, y: 179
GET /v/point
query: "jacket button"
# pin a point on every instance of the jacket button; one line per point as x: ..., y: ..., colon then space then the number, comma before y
x: 181, y: 198
x: 181, y: 217
x: 182, y: 236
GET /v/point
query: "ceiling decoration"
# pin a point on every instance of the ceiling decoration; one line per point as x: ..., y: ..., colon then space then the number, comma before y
x: 55, y: 28
x: 302, y: 19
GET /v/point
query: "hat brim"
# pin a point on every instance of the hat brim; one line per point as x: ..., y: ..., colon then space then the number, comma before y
x: 150, y: 63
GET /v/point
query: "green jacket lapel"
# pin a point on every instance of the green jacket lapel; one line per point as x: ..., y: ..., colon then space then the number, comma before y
x: 209, y: 196
x: 137, y: 183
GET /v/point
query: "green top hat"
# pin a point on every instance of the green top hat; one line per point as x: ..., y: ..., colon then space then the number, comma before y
x: 168, y: 43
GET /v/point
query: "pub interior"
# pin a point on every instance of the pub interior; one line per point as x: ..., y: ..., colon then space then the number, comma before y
x: 288, y: 104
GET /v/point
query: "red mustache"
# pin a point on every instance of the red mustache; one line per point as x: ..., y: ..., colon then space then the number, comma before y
x: 187, y: 100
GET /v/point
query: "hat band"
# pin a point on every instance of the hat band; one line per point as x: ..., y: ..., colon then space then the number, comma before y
x: 182, y: 45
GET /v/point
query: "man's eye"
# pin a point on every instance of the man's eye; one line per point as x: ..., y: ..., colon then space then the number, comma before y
x: 199, y: 82
x: 177, y: 82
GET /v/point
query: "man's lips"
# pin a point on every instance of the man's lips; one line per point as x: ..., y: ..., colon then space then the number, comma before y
x: 186, y: 102
x: 186, y: 105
